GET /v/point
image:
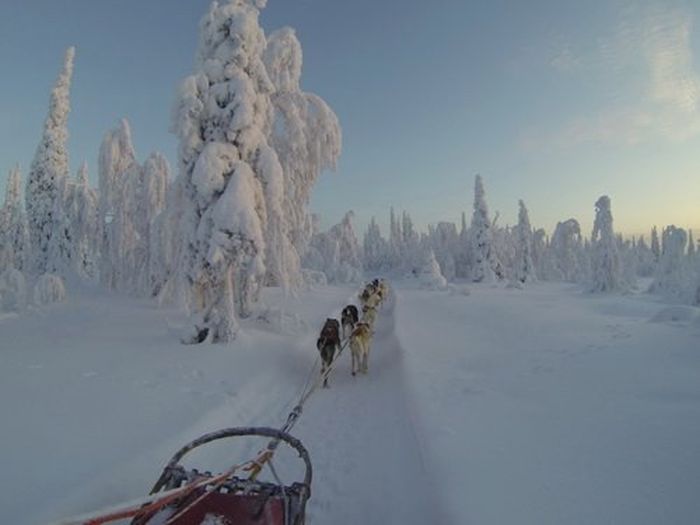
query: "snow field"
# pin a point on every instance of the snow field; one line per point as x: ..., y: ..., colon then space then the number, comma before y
x: 542, y: 405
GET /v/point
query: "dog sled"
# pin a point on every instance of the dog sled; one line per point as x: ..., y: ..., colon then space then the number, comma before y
x: 187, y: 496
x: 231, y: 499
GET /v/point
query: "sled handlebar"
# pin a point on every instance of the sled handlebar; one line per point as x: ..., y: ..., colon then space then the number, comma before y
x: 237, y: 432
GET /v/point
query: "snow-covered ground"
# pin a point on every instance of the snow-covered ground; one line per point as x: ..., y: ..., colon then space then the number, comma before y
x: 542, y: 405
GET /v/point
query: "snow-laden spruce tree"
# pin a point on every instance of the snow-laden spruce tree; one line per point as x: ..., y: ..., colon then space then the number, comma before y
x: 49, y: 168
x: 655, y: 246
x: 305, y: 134
x: 336, y: 253
x: 481, y: 237
x: 395, y: 241
x: 375, y: 249
x: 539, y: 251
x: 674, y: 275
x: 157, y: 228
x: 606, y: 270
x: 691, y: 245
x: 524, y: 267
x: 563, y: 259
x: 14, y: 236
x: 233, y: 189
x: 119, y: 185
x: 82, y: 211
x: 429, y: 274
x: 444, y: 241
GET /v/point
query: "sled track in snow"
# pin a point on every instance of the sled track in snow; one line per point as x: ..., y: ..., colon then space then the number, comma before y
x: 364, y: 444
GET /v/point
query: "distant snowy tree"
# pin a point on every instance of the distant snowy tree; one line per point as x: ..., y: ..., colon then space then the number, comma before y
x: 525, y: 268
x: 233, y: 189
x: 13, y: 290
x: 120, y: 181
x: 563, y: 259
x: 49, y: 289
x: 82, y: 211
x: 395, y: 240
x: 691, y: 245
x: 411, y: 252
x: 60, y: 246
x: 305, y: 134
x: 674, y: 273
x: 336, y: 253
x: 429, y: 273
x: 539, y: 250
x: 157, y: 230
x: 375, y: 248
x: 14, y: 235
x: 607, y: 276
x: 49, y: 168
x: 655, y: 247
x: 481, y: 237
x: 444, y: 241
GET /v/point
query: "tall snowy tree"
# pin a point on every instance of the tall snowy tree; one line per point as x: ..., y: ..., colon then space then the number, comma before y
x: 674, y: 272
x: 375, y: 248
x: 233, y: 187
x: 481, y: 237
x: 120, y: 189
x: 49, y: 168
x: 14, y: 236
x: 524, y: 269
x: 306, y: 136
x: 691, y: 244
x: 655, y: 247
x: 82, y: 210
x: 607, y: 276
x: 156, y: 173
x: 563, y: 259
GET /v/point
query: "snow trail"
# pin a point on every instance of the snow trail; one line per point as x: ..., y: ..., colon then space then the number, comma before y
x: 363, y: 442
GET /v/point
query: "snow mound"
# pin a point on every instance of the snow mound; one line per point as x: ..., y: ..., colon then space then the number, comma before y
x: 314, y: 278
x: 282, y: 321
x: 456, y: 289
x: 675, y: 314
x: 13, y: 291
x: 49, y: 289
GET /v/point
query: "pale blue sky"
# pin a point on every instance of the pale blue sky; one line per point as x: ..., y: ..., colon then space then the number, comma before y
x: 555, y: 102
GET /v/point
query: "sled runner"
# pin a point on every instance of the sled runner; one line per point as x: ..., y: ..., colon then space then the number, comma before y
x: 229, y: 499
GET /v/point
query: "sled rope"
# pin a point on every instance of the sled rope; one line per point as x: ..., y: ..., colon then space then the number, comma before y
x: 149, y: 504
x: 265, y: 456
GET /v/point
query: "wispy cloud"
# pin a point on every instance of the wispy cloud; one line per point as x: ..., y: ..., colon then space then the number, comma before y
x: 646, y: 74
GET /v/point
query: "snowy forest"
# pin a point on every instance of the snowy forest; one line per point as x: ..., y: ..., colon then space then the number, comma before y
x: 235, y: 217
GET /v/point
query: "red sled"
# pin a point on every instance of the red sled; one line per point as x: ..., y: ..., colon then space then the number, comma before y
x: 234, y: 500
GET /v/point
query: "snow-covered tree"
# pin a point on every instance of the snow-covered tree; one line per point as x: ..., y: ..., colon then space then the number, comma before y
x: 674, y: 273
x: 375, y: 248
x: 525, y: 268
x: 13, y: 290
x: 49, y: 168
x: 156, y: 173
x: 14, y: 236
x: 49, y: 289
x: 82, y: 211
x: 233, y: 187
x: 444, y: 241
x: 563, y: 259
x: 336, y: 253
x: 119, y: 184
x: 655, y: 247
x: 607, y: 276
x: 691, y: 245
x: 429, y: 273
x: 481, y: 237
x: 305, y: 134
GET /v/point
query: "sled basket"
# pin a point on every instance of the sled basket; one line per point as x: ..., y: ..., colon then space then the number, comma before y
x: 236, y: 501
